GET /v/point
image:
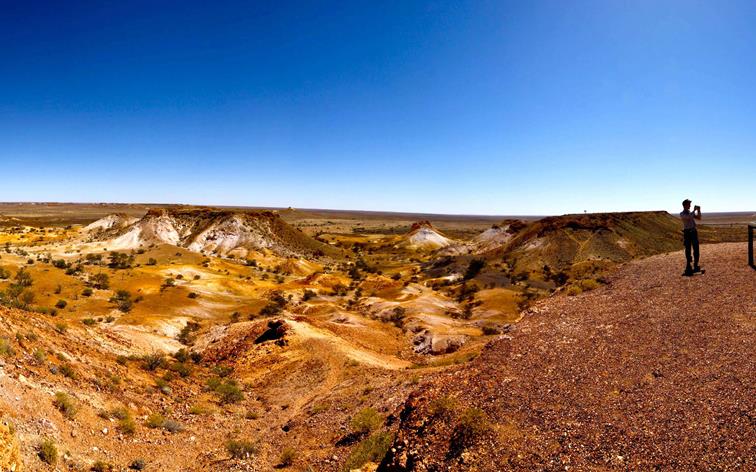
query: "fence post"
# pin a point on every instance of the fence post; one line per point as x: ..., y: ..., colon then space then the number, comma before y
x: 751, y: 228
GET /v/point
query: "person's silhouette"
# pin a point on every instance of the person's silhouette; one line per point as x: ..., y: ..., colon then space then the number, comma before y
x: 690, y: 237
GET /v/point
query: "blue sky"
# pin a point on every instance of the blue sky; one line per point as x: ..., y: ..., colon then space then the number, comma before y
x: 448, y: 107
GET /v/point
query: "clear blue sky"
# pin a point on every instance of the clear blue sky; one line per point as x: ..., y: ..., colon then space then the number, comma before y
x: 449, y: 107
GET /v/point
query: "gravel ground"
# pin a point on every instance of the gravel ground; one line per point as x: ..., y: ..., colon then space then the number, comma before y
x: 653, y: 371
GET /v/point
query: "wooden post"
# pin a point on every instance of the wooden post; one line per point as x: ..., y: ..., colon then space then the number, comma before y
x: 751, y: 228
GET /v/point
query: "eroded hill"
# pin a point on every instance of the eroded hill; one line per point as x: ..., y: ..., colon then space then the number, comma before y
x: 653, y: 371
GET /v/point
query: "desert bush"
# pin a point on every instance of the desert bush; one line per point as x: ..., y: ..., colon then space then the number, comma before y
x: 26, y: 298
x: 40, y: 356
x: 271, y: 309
x: 229, y: 392
x: 87, y: 292
x: 120, y: 260
x: 89, y: 321
x: 68, y: 371
x: 65, y: 404
x: 241, y: 449
x: 100, y: 281
x: 472, y: 424
x: 6, y: 349
x: 4, y: 274
x: 589, y: 284
x: 153, y: 361
x: 188, y: 333
x: 573, y: 290
x: 61, y: 304
x: 192, y: 295
x: 441, y: 406
x: 102, y: 466
x: 155, y: 420
x: 127, y: 425
x: 138, y: 464
x: 397, y: 316
x: 47, y: 452
x: 23, y: 278
x: 172, y: 426
x: 181, y: 368
x: 371, y: 449
x: 122, y: 300
x: 287, y: 457
x: 307, y: 295
x: 152, y: 261
x: 59, y: 264
x: 474, y: 268
x: 365, y: 421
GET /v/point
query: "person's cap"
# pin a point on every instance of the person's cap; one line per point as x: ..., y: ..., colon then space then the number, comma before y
x: 686, y: 201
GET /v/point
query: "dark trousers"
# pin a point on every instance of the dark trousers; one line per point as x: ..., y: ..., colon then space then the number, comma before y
x: 690, y: 238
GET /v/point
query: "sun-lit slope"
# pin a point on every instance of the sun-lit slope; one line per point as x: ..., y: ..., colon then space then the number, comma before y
x: 216, y: 232
x: 564, y: 241
x: 112, y: 221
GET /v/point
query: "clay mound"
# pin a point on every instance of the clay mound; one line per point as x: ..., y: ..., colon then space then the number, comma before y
x: 637, y: 375
x: 423, y: 236
x: 113, y: 221
x: 222, y: 233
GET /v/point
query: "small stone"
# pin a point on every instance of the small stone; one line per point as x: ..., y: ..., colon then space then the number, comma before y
x: 104, y: 430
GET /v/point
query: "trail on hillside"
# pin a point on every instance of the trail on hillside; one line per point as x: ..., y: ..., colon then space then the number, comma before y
x: 652, y: 371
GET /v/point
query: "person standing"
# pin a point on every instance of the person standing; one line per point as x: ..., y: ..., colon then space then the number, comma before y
x: 690, y: 237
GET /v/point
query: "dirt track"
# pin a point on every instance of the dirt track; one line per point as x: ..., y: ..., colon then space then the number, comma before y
x: 652, y: 372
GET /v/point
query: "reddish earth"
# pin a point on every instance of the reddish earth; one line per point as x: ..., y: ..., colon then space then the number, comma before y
x: 652, y: 371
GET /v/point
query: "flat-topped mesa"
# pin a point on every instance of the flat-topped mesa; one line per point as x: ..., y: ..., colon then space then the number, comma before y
x: 218, y: 232
x: 560, y: 242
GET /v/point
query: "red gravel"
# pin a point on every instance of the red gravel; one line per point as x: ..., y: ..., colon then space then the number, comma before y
x: 653, y: 371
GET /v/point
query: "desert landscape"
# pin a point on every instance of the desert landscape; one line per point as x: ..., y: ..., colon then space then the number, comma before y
x: 195, y: 338
x: 408, y: 236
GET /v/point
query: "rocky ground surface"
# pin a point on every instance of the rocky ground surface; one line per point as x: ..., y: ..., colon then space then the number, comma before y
x: 652, y: 371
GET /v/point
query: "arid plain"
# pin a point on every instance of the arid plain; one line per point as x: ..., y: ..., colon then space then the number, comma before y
x: 167, y: 337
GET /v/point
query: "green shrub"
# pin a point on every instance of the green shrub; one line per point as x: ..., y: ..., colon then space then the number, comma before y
x: 40, y: 356
x: 241, y: 449
x: 102, y: 466
x: 48, y: 452
x: 138, y: 464
x: 87, y: 292
x: 68, y: 371
x: 365, y: 421
x: 172, y: 426
x: 287, y: 457
x: 89, y: 321
x: 472, y: 424
x: 60, y: 304
x: 441, y: 406
x: 100, y: 281
x: 65, y: 404
x: 371, y: 449
x: 155, y: 420
x: 152, y: 362
x: 229, y: 392
x: 127, y: 425
x: 6, y: 350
